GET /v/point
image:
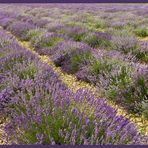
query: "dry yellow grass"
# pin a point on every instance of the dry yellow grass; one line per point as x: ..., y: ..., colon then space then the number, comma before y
x: 143, y: 39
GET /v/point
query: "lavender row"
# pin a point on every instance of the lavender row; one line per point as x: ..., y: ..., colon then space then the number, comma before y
x: 112, y: 76
x: 118, y: 41
x: 42, y: 110
x: 109, y: 71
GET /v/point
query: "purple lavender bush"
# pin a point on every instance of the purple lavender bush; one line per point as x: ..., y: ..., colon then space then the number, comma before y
x: 125, y: 44
x: 5, y: 22
x: 7, y: 43
x: 142, y: 53
x: 136, y: 93
x: 57, y: 27
x: 40, y: 22
x: 102, y: 71
x: 51, y: 118
x: 25, y: 18
x: 75, y: 33
x: 70, y: 55
x: 46, y: 41
x: 35, y: 34
x: 20, y: 29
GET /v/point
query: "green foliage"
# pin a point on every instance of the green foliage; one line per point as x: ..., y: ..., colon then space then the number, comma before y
x: 125, y: 44
x: 51, y: 125
x: 119, y: 81
x: 12, y: 62
x: 4, y: 42
x: 142, y: 56
x: 77, y: 59
x: 145, y: 109
x: 136, y: 94
x: 102, y: 66
x: 76, y: 36
x: 51, y: 42
x: 95, y: 42
x: 124, y: 32
x: 33, y: 34
x: 142, y: 32
x: 100, y: 24
x: 2, y: 55
x: 28, y: 73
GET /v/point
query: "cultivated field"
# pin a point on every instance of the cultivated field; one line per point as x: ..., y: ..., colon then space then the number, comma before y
x: 74, y: 74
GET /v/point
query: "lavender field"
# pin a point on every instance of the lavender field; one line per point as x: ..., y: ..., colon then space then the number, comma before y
x: 74, y: 74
